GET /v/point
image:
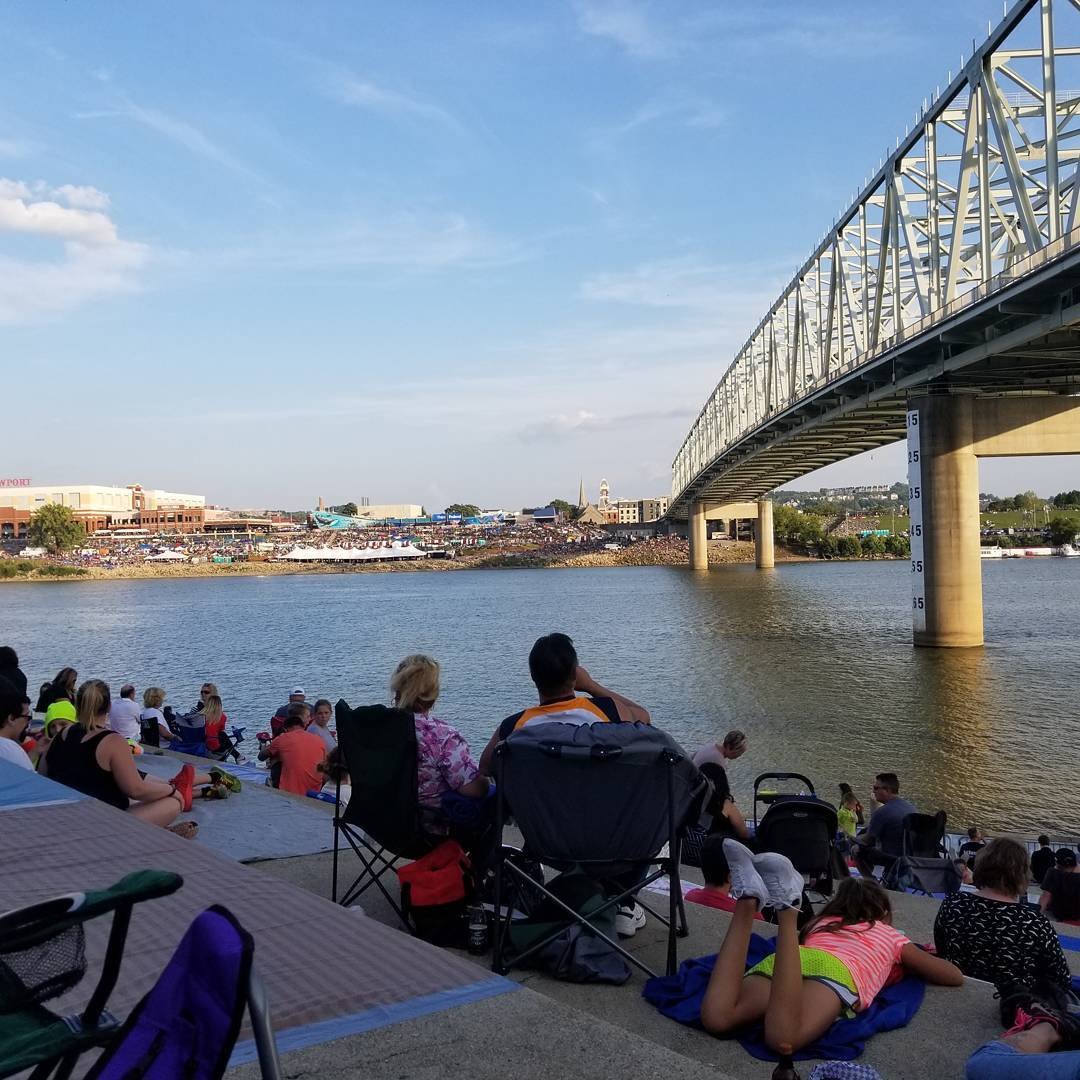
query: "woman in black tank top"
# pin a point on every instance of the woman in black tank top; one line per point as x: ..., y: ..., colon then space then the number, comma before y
x: 95, y: 760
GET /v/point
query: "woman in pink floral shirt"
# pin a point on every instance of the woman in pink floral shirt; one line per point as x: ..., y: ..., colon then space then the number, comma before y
x: 443, y: 759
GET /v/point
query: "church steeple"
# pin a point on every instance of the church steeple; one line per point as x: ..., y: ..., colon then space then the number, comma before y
x: 581, y: 495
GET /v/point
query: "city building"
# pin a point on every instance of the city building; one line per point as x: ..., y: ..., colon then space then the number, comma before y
x: 94, y: 498
x: 380, y: 511
x: 652, y: 509
x: 627, y: 512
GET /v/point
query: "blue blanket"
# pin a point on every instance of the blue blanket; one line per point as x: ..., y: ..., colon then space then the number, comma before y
x: 679, y: 997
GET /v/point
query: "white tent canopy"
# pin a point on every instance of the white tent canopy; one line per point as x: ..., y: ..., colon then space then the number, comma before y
x: 166, y: 556
x: 343, y: 554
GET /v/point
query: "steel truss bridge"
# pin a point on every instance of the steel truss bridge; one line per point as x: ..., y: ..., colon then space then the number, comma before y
x: 957, y: 268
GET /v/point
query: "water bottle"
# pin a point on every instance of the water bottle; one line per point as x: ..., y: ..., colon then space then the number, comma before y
x: 478, y: 930
x: 785, y: 1067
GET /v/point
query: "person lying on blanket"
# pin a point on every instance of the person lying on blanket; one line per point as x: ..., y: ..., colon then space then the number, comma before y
x: 835, y: 968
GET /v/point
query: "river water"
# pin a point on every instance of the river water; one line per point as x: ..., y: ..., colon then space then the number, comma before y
x: 812, y: 660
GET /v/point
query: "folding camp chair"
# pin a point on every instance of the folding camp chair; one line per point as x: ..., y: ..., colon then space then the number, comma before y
x: 382, y: 820
x: 42, y: 955
x: 604, y: 799
x: 924, y: 865
x: 924, y: 835
x: 209, y: 982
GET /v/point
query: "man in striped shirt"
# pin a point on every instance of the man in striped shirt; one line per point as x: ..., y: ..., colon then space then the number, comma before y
x: 561, y: 683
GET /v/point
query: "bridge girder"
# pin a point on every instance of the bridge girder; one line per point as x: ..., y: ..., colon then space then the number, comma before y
x: 955, y: 267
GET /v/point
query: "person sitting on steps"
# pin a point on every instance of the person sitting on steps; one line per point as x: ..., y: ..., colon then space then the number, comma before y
x: 95, y: 760
x: 882, y: 842
x: 561, y: 683
x: 835, y: 968
x: 716, y: 892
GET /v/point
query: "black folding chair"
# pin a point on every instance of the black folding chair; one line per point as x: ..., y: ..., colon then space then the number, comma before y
x: 604, y: 799
x: 382, y: 820
x: 924, y: 835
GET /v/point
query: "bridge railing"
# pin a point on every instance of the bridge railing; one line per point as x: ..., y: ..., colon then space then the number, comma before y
x: 982, y: 192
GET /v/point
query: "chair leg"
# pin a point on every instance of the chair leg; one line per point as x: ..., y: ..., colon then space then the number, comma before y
x: 373, y: 868
x: 265, y: 1043
x: 337, y: 838
x: 66, y: 1066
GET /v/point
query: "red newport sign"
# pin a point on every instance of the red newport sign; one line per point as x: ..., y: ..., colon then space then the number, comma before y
x: 20, y: 481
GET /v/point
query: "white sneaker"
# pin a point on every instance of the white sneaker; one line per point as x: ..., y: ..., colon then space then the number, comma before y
x: 784, y: 882
x: 745, y: 879
x: 629, y: 919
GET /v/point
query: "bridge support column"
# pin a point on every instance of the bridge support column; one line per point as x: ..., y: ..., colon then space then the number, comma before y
x: 699, y: 545
x: 943, y: 478
x: 947, y: 434
x: 764, y: 556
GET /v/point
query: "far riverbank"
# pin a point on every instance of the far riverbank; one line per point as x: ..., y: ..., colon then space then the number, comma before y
x: 668, y: 551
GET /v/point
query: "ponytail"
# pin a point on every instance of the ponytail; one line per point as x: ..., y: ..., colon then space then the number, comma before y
x: 92, y: 705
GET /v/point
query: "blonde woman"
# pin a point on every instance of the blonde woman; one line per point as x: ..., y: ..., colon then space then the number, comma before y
x: 95, y: 760
x: 152, y: 726
x: 443, y: 760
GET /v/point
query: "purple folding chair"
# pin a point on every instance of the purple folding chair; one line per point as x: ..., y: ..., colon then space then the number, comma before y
x: 187, y: 1025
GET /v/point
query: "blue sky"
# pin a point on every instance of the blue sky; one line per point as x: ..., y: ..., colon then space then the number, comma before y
x: 424, y: 252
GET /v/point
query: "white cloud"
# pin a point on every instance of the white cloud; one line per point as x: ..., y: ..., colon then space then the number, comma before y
x: 82, y: 197
x: 363, y: 94
x: 14, y: 189
x: 627, y: 25
x: 359, y: 92
x: 94, y: 261
x: 179, y: 131
x: 408, y: 242
x: 689, y: 282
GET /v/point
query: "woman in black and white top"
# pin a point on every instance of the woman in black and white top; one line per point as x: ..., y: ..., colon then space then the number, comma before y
x: 990, y: 935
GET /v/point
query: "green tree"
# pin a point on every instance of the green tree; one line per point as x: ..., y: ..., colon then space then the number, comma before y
x: 848, y: 547
x: 466, y: 510
x: 873, y: 547
x: 899, y: 546
x: 1063, y: 530
x: 1066, y: 498
x: 1029, y: 501
x: 786, y: 522
x: 811, y: 530
x: 568, y: 510
x: 348, y: 509
x: 827, y: 547
x: 54, y: 527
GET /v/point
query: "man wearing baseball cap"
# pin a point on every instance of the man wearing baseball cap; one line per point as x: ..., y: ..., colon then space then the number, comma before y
x: 277, y: 721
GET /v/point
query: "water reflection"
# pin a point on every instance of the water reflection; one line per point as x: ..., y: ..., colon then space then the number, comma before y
x: 814, y: 661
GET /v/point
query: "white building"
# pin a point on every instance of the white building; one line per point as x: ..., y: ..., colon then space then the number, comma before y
x: 378, y: 511
x: 96, y: 498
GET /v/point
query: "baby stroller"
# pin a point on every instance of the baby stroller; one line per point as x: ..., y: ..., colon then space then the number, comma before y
x: 799, y: 825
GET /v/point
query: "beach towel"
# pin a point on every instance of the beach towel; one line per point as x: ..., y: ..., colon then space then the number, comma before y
x: 679, y: 997
x: 1070, y: 943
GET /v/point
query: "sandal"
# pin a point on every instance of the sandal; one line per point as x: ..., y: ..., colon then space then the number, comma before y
x: 185, y: 829
x: 215, y: 791
x: 1064, y: 1023
x: 220, y: 776
x: 184, y: 782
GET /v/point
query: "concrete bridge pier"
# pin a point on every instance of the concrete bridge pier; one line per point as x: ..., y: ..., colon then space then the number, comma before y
x: 699, y: 545
x: 764, y: 555
x: 947, y: 434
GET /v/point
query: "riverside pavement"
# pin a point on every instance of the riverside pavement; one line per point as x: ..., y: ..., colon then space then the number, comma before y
x: 553, y: 1028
